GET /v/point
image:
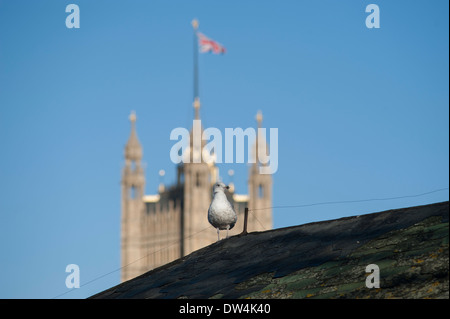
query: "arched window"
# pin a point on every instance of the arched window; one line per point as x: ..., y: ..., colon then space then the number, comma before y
x: 197, y: 180
x: 132, y: 193
x: 261, y: 191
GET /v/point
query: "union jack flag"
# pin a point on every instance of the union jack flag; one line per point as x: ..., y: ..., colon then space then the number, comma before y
x: 208, y: 45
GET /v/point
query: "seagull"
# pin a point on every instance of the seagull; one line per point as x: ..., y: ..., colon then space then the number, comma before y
x: 221, y: 214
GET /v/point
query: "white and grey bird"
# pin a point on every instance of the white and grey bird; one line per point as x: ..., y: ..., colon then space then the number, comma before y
x: 221, y: 213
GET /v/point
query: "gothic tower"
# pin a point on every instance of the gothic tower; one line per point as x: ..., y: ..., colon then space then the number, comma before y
x: 199, y: 175
x: 259, y: 187
x: 133, y: 183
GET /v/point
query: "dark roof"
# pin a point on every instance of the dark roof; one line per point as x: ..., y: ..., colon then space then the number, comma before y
x: 317, y: 260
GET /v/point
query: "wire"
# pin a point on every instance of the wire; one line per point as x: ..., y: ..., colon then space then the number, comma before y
x: 352, y: 201
x: 122, y: 267
x: 254, y: 215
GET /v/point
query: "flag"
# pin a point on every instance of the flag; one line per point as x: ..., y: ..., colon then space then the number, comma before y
x: 208, y: 45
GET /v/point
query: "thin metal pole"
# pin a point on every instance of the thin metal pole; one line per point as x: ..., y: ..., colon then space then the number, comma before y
x: 244, y: 232
x: 195, y: 46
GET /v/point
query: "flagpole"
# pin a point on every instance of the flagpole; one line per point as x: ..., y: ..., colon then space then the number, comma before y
x: 196, y: 97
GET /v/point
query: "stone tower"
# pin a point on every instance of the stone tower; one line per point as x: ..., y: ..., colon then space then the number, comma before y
x: 259, y: 187
x: 199, y: 176
x: 133, y: 183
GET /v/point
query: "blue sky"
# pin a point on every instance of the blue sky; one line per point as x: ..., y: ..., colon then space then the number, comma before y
x: 361, y: 113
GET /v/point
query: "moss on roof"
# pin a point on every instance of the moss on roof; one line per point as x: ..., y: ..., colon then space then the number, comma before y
x: 413, y: 263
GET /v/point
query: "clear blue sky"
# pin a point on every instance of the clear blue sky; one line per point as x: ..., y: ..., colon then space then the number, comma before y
x: 361, y: 113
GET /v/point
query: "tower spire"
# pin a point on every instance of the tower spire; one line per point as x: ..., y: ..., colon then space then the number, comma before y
x: 196, y: 105
x: 259, y: 119
x: 133, y: 148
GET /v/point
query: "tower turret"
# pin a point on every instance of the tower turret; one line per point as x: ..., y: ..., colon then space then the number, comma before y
x: 133, y: 184
x: 260, y: 185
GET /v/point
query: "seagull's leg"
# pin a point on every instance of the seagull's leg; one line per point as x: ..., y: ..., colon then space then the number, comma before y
x: 218, y: 236
x: 228, y: 228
